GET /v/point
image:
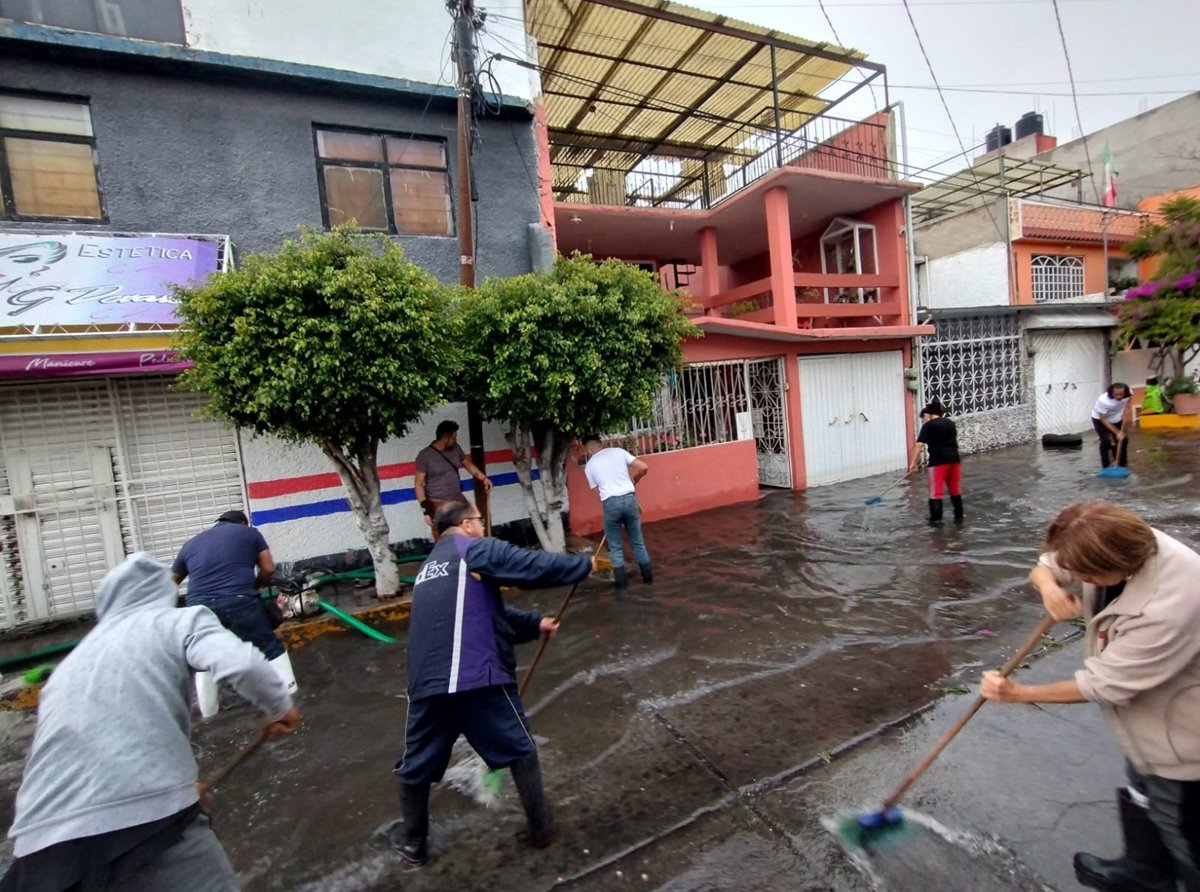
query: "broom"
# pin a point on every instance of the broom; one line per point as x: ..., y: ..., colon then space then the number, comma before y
x: 1114, y: 469
x: 204, y: 787
x: 485, y: 786
x: 875, y: 828
x: 875, y: 500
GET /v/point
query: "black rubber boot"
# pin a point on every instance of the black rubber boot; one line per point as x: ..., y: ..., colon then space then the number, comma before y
x: 935, y: 510
x: 413, y: 843
x: 956, y: 501
x: 1146, y: 865
x: 527, y: 776
x: 647, y: 573
x: 620, y: 578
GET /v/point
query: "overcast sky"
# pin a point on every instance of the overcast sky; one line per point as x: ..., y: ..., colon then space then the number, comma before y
x: 1126, y: 55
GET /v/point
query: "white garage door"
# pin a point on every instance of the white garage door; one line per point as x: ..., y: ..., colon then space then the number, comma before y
x: 92, y: 470
x: 853, y: 408
x: 1070, y: 369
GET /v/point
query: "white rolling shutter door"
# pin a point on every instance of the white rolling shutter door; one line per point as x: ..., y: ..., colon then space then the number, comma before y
x: 93, y: 469
x: 182, y: 470
x: 49, y: 437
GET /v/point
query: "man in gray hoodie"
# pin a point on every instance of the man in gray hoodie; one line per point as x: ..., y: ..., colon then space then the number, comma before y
x: 109, y: 798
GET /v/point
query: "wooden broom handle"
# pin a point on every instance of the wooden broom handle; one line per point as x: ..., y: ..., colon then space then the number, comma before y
x: 1030, y: 643
x: 225, y: 770
x: 562, y: 608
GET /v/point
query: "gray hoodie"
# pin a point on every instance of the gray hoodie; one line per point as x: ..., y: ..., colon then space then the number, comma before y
x: 112, y: 747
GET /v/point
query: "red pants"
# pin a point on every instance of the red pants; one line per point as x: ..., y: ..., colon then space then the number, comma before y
x: 945, y: 476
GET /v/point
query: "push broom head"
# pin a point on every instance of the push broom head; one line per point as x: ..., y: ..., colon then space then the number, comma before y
x: 872, y: 830
x: 1114, y: 471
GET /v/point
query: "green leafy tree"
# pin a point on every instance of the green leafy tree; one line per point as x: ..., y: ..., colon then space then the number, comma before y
x: 335, y: 339
x: 582, y: 347
x: 1164, y: 313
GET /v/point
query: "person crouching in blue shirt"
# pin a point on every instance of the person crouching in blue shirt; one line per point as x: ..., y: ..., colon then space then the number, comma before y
x: 462, y: 667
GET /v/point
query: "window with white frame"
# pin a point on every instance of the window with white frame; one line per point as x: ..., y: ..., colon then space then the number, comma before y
x: 973, y: 364
x: 48, y: 159
x: 1057, y: 277
x: 848, y: 248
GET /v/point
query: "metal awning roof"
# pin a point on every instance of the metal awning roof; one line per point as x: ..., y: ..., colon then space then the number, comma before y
x: 991, y: 179
x: 623, y: 79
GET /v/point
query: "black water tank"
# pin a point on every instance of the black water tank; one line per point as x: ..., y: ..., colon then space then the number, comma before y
x: 1031, y: 122
x: 998, y: 136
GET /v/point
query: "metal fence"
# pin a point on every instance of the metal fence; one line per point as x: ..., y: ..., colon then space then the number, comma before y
x: 973, y: 364
x: 696, y: 406
x: 664, y: 180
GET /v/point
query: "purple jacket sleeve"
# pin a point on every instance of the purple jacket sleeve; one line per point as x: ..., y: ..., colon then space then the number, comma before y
x: 507, y: 564
x: 526, y: 624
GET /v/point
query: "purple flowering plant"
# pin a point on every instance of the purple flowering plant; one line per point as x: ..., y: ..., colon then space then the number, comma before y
x: 1163, y: 314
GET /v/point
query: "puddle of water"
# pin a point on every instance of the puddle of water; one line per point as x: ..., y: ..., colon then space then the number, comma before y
x: 929, y: 855
x: 774, y: 631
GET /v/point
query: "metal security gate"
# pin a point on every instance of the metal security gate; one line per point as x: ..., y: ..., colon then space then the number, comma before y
x: 768, y: 413
x: 1069, y: 372
x: 854, y: 415
x: 91, y: 470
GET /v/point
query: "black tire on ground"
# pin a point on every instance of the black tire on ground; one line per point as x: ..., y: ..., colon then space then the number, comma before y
x: 1062, y: 441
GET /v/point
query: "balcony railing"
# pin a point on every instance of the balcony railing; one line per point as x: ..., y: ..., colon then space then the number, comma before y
x: 674, y: 180
x: 853, y: 300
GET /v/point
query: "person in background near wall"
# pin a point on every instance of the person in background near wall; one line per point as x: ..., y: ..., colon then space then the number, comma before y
x: 225, y: 566
x: 109, y: 799
x: 1112, y: 417
x: 1152, y: 401
x: 436, y: 481
x: 939, y: 435
x: 615, y: 472
x: 462, y: 668
x: 1142, y: 667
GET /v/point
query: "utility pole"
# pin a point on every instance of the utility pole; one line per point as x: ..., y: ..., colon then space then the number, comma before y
x: 464, y: 45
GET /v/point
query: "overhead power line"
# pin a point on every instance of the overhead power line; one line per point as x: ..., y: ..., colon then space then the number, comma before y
x: 1087, y: 154
x: 950, y: 117
x: 1004, y: 92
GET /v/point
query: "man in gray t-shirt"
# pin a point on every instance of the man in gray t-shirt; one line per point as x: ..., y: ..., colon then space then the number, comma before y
x: 436, y: 480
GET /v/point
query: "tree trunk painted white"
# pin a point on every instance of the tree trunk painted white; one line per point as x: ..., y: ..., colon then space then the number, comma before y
x: 360, y: 476
x: 552, y: 461
x: 545, y: 514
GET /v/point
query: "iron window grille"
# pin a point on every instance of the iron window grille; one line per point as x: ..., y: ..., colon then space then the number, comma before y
x: 696, y: 406
x: 48, y: 164
x: 973, y: 364
x: 384, y: 182
x: 1056, y: 277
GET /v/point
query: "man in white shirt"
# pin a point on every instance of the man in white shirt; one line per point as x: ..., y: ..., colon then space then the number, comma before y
x: 614, y: 472
x: 1112, y: 417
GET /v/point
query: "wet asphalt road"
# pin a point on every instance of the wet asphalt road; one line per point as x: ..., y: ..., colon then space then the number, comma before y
x: 693, y: 733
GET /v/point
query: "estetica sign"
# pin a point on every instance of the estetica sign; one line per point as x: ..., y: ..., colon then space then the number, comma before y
x: 85, y: 279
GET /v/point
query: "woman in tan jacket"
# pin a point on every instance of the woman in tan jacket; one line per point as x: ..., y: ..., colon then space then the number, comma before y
x: 1141, y: 599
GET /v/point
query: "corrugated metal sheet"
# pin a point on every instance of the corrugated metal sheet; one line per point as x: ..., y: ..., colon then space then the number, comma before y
x: 613, y: 75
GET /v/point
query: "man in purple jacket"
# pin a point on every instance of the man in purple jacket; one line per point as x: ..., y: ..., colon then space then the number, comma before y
x: 462, y: 666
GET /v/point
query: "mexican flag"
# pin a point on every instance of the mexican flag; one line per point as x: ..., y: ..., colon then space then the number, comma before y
x: 1110, y: 178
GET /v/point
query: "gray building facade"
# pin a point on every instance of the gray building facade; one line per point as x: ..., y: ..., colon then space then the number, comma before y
x: 200, y: 148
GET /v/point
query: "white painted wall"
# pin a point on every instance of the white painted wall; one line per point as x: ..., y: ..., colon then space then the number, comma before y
x: 407, y: 39
x: 270, y: 461
x: 977, y: 277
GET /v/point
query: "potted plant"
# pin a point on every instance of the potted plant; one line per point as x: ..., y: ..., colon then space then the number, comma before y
x: 1164, y: 314
x: 1183, y: 393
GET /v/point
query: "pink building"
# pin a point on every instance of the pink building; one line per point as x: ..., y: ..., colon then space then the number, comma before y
x: 783, y: 225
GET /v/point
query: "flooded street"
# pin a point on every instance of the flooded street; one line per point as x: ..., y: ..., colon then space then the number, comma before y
x: 694, y: 732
